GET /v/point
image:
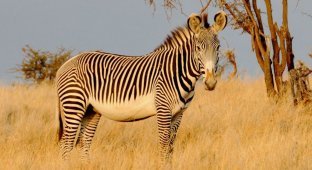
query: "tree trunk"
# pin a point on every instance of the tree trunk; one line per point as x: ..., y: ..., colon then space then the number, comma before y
x: 290, y: 55
x: 268, y: 78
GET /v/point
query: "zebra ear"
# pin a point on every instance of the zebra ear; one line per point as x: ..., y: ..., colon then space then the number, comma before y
x: 220, y: 22
x: 194, y: 23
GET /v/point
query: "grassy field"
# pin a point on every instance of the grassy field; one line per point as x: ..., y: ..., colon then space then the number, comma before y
x: 233, y: 127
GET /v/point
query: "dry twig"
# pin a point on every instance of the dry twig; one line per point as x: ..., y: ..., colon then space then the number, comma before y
x: 205, y: 7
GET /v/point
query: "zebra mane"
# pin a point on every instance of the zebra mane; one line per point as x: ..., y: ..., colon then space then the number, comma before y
x: 177, y: 36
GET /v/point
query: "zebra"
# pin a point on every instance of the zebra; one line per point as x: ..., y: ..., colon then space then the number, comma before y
x: 131, y: 88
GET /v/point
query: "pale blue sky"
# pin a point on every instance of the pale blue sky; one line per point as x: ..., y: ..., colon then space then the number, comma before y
x: 120, y: 26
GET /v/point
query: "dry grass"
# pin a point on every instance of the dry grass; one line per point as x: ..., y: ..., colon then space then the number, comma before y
x: 233, y: 127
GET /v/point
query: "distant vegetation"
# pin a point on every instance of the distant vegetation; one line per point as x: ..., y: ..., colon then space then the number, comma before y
x: 38, y: 66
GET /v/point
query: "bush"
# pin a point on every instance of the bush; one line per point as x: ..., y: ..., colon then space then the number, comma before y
x: 38, y: 66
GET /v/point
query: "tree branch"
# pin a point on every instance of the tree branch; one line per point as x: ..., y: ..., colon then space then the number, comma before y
x: 258, y: 14
x: 290, y: 55
x: 248, y: 9
x: 282, y: 37
x: 276, y: 49
x: 271, y: 27
x: 257, y: 51
x: 205, y: 7
x: 235, y: 17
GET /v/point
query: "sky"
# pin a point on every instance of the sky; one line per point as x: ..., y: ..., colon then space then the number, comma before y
x: 127, y: 27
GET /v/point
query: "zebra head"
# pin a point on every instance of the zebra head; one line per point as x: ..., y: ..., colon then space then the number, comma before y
x: 206, y: 44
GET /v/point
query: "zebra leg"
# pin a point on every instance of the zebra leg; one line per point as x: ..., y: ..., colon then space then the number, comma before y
x: 164, y: 123
x: 71, y: 113
x: 68, y: 138
x: 88, y: 127
x: 175, y: 123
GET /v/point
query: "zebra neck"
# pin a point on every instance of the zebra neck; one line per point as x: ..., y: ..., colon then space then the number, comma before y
x: 178, y: 67
x: 178, y: 48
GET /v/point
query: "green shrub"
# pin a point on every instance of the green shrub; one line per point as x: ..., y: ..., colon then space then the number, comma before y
x: 38, y: 66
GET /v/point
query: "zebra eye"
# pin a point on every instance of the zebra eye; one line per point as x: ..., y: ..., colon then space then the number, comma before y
x: 198, y: 48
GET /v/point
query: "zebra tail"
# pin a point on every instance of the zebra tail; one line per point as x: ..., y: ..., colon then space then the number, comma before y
x: 60, y: 122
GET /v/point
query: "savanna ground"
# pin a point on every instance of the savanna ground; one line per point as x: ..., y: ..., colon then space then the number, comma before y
x: 233, y: 127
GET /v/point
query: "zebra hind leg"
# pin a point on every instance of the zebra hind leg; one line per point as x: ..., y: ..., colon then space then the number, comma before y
x: 69, y: 135
x: 71, y: 115
x: 88, y: 127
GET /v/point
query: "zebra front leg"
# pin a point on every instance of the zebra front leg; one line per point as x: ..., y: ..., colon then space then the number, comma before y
x: 164, y: 123
x: 175, y: 123
x: 88, y: 127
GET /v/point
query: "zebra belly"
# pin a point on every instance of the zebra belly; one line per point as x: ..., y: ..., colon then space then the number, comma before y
x: 140, y: 108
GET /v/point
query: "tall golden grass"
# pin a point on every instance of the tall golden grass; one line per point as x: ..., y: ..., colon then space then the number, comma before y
x: 233, y: 127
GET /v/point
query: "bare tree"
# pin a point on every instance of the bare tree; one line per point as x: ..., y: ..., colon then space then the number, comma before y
x: 272, y: 46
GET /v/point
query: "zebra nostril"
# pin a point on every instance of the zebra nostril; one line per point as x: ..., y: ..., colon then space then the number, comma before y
x: 210, y: 84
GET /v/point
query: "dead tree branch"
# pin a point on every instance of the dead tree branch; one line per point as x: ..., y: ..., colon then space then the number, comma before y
x: 205, y: 7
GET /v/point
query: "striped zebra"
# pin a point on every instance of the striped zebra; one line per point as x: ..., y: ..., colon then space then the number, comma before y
x: 130, y: 88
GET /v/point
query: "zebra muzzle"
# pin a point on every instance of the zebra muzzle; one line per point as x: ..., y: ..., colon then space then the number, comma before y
x: 210, y: 81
